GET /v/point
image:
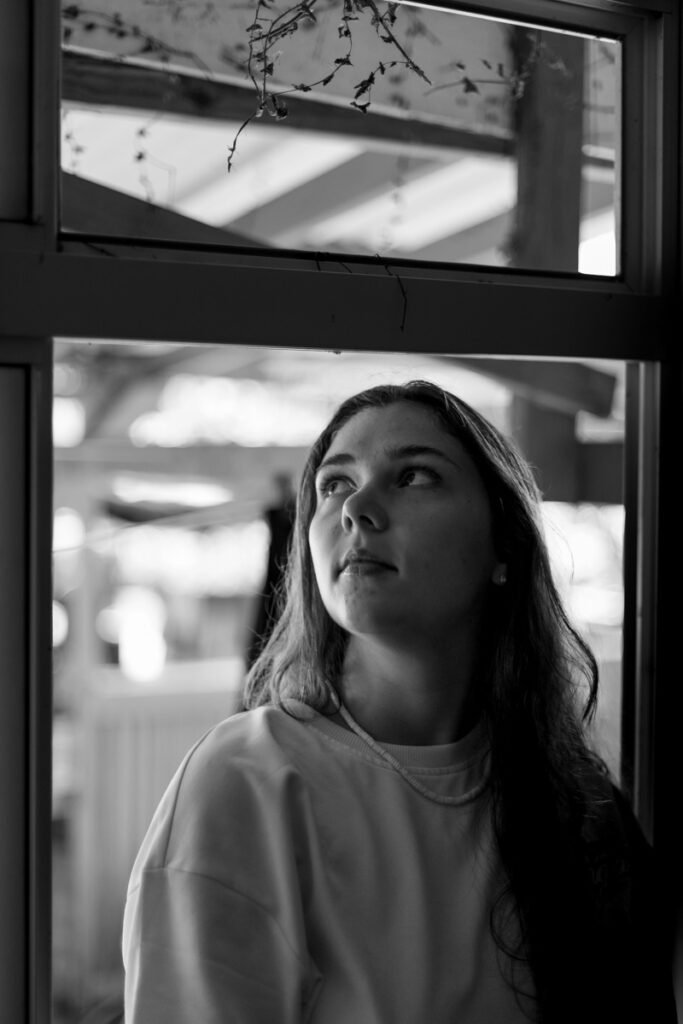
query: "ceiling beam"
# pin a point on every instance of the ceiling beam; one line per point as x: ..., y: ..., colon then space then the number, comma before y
x: 564, y: 386
x: 131, y: 84
x: 251, y: 473
x: 134, y: 85
x: 90, y: 208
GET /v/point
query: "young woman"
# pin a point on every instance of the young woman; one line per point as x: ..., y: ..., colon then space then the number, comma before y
x: 409, y: 824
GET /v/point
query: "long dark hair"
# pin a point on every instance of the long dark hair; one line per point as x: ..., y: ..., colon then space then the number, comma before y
x: 539, y: 687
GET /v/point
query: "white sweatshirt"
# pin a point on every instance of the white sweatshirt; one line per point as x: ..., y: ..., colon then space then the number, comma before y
x: 290, y: 875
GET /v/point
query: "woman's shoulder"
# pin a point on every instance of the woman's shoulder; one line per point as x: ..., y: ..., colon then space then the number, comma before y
x: 239, y: 773
x: 259, y: 741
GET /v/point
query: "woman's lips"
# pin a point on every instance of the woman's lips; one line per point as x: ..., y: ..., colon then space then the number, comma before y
x: 364, y: 568
x: 357, y: 563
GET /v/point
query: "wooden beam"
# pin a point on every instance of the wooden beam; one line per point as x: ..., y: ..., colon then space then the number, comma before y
x: 567, y: 387
x: 601, y: 472
x: 134, y: 85
x: 90, y: 208
x: 550, y: 117
x: 495, y: 234
x: 131, y: 84
x: 284, y: 220
x: 567, y: 469
x: 227, y: 462
x: 466, y: 246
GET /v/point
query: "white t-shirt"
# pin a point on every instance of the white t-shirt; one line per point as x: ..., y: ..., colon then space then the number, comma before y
x: 290, y: 875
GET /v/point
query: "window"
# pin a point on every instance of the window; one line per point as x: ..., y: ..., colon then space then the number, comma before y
x: 417, y: 133
x: 69, y: 271
x: 168, y: 502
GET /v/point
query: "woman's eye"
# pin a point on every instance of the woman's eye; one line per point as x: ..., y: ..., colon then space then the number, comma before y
x: 332, y: 485
x: 418, y: 475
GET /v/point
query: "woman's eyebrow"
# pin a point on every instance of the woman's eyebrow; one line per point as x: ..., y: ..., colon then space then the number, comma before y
x: 340, y: 459
x: 406, y: 450
x: 396, y: 452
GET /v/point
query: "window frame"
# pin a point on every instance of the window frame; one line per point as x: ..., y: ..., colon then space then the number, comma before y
x: 50, y: 286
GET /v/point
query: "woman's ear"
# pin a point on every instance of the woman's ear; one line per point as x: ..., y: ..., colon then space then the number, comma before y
x: 499, y: 576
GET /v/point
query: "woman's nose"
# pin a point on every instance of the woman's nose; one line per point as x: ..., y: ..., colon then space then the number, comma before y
x: 364, y: 508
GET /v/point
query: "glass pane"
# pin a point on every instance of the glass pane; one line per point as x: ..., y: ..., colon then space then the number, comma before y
x: 388, y: 130
x: 172, y: 472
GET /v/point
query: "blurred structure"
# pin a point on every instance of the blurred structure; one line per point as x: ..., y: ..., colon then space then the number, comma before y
x: 280, y: 520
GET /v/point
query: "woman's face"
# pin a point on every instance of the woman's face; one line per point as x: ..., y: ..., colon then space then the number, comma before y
x: 401, y: 538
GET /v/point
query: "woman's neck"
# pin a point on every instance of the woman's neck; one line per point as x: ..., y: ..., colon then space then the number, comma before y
x: 406, y: 698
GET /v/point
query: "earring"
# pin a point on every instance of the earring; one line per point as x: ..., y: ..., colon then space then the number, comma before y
x: 500, y: 577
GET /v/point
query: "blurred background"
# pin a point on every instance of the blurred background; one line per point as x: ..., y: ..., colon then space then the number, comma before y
x: 174, y: 470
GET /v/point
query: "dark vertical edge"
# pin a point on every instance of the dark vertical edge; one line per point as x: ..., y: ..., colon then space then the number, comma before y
x: 39, y: 574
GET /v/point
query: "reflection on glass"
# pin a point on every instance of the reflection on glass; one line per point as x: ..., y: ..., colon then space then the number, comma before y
x: 389, y: 130
x: 162, y: 537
